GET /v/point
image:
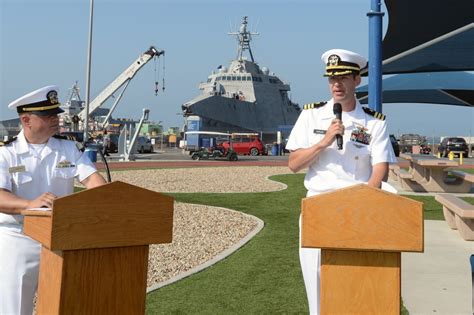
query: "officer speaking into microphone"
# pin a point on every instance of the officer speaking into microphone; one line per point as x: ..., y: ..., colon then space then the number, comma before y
x: 341, y: 143
x: 36, y: 167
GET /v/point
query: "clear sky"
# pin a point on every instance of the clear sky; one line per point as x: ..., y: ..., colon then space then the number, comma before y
x: 45, y: 42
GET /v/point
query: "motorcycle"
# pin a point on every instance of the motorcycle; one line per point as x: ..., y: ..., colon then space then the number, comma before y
x: 214, y: 153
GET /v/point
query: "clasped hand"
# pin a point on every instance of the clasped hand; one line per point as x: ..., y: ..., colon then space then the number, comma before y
x: 45, y: 200
x: 336, y: 128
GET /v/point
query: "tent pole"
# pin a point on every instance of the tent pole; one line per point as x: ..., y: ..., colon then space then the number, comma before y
x: 375, y: 55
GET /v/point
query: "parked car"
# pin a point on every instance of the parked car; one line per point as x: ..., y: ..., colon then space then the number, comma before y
x: 395, y: 146
x: 246, y: 144
x: 453, y: 144
x: 113, y: 145
x: 408, y: 141
x: 144, y: 145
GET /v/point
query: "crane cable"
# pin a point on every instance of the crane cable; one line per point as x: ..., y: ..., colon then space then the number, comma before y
x: 163, y: 78
x: 157, y: 74
x: 157, y: 62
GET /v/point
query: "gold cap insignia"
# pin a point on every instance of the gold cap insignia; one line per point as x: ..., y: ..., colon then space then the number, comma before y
x: 52, y: 96
x: 333, y: 60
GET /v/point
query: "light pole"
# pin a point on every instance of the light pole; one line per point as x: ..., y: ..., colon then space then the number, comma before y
x: 432, y: 145
x: 161, y: 138
x: 88, y: 73
x: 469, y: 148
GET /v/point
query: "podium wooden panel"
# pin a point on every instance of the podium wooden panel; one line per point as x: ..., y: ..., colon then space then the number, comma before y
x: 94, y: 258
x: 362, y: 232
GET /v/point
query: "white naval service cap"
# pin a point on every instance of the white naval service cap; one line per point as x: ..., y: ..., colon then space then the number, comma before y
x: 42, y: 102
x: 342, y: 62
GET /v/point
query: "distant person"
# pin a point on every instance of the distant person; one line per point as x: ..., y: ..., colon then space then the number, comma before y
x: 107, y: 143
x: 36, y: 167
x: 364, y: 157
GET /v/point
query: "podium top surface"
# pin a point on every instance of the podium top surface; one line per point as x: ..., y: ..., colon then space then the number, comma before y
x: 362, y: 218
x: 113, y: 215
x: 39, y: 213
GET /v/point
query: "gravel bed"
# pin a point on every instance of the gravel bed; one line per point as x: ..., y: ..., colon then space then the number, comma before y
x: 205, y: 179
x: 200, y: 232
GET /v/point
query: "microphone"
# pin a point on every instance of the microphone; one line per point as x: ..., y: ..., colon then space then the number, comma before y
x: 337, y: 109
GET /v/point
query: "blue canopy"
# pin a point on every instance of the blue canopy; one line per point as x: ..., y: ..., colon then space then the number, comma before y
x: 453, y: 88
x: 428, y: 36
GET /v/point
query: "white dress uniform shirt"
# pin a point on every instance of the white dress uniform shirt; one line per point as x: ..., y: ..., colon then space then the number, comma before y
x: 27, y: 174
x: 334, y: 169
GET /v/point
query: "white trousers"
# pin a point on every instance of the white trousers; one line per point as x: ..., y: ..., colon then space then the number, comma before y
x: 310, y: 261
x: 19, y: 268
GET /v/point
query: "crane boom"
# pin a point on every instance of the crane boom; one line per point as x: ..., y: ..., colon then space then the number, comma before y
x: 124, y: 77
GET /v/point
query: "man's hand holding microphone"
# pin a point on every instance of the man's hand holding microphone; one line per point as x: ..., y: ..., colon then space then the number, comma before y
x: 335, y: 130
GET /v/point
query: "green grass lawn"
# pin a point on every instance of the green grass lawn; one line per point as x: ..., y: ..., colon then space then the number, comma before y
x: 467, y: 170
x: 264, y: 276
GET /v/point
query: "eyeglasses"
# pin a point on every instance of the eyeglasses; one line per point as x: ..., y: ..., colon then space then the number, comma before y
x: 46, y: 117
x: 340, y: 79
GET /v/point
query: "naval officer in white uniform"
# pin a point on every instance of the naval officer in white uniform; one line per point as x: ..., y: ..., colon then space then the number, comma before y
x: 365, y: 154
x: 35, y: 168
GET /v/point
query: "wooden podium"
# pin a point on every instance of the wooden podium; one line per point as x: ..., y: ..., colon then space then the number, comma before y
x: 94, y: 253
x: 362, y: 232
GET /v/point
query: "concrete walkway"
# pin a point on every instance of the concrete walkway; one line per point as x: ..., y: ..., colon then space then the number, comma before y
x: 438, y: 281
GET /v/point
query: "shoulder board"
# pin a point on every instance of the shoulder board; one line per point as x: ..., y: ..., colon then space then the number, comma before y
x: 8, y: 142
x: 314, y: 105
x: 64, y: 137
x: 79, y: 145
x: 371, y: 112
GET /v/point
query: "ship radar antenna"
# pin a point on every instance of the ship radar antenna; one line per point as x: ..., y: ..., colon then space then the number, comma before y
x: 243, y: 37
x: 73, y: 93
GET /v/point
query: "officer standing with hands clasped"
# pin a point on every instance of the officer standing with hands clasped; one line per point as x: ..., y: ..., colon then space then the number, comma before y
x: 36, y: 167
x: 341, y: 143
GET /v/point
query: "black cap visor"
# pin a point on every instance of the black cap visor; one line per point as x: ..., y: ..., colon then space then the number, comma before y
x: 40, y: 109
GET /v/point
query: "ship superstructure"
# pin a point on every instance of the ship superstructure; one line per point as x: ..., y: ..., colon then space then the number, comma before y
x: 241, y: 98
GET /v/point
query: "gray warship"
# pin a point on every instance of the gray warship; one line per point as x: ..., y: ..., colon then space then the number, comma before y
x: 242, y: 98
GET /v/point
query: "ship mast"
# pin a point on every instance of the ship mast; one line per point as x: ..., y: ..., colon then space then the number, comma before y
x: 243, y: 37
x: 73, y: 93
